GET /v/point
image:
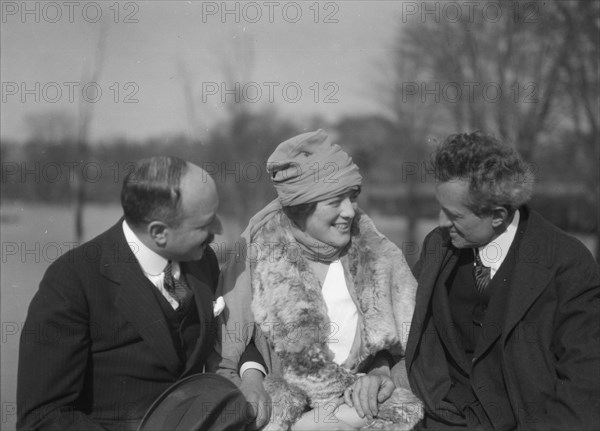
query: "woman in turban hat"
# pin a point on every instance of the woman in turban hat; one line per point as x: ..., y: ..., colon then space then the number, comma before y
x: 327, y: 299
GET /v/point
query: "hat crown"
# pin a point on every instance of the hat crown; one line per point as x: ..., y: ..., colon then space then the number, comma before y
x: 296, y: 150
x: 309, y: 167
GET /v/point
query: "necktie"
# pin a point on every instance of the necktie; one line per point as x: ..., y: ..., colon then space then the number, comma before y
x: 481, y: 273
x: 176, y: 288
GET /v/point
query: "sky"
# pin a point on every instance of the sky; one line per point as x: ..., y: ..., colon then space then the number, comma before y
x: 170, y: 67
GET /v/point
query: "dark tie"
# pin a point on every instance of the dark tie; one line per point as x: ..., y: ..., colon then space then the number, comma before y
x: 178, y: 289
x: 481, y: 273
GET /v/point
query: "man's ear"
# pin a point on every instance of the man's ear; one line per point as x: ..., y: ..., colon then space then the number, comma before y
x: 157, y: 230
x: 499, y: 217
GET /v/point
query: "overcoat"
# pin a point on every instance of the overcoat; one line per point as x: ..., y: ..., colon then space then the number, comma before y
x: 543, y: 343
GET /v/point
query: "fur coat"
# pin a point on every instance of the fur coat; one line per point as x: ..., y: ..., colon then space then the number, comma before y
x: 290, y: 317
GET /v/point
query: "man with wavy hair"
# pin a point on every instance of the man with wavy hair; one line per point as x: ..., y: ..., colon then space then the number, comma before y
x: 505, y: 333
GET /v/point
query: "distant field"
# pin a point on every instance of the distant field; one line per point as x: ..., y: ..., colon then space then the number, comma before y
x: 33, y: 236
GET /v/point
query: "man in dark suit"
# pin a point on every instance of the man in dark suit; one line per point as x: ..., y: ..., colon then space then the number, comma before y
x: 506, y: 331
x: 118, y: 320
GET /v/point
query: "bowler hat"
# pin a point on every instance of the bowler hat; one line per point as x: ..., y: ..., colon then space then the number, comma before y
x: 200, y: 402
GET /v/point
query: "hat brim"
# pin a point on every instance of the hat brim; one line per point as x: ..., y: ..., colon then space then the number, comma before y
x: 198, y: 402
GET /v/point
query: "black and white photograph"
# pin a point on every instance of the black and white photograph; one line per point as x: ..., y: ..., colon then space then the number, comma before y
x: 300, y: 215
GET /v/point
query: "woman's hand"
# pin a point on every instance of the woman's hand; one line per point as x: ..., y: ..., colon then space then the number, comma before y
x: 368, y: 391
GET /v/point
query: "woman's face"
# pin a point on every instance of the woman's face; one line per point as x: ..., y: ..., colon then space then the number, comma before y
x: 332, y: 219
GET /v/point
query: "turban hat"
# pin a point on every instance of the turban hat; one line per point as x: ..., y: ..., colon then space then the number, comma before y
x: 309, y: 168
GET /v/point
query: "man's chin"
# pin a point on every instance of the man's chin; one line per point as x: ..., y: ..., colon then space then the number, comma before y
x: 200, y: 253
x: 192, y: 257
x: 457, y: 241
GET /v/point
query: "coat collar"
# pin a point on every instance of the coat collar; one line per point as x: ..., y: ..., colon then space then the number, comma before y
x: 203, y: 296
x: 436, y: 262
x: 447, y: 329
x: 533, y: 267
x: 137, y: 302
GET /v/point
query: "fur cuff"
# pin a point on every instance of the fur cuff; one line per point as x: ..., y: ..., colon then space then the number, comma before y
x: 288, y: 403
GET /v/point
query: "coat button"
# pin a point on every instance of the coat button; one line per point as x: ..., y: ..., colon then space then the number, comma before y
x: 474, y: 359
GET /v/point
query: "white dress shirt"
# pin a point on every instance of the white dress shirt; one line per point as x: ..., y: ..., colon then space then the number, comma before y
x: 493, y: 254
x: 342, y: 312
x: 152, y: 264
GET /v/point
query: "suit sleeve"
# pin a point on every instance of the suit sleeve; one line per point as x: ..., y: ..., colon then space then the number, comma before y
x: 575, y: 403
x: 53, y: 354
x: 251, y: 354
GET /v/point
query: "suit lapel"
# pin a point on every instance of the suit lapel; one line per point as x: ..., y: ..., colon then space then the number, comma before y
x: 443, y: 319
x: 135, y: 298
x: 203, y: 297
x: 530, y: 277
x: 443, y: 259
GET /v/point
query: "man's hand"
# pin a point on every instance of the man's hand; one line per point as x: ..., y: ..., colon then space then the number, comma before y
x: 259, y: 402
x: 367, y: 392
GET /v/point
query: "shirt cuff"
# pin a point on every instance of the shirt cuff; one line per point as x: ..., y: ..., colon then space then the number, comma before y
x: 252, y: 365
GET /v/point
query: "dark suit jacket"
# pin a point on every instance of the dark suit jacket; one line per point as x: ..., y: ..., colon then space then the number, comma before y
x: 547, y: 334
x: 95, y: 348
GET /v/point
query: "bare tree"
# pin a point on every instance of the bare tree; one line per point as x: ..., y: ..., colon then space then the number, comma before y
x: 90, y: 74
x: 583, y: 79
x: 528, y: 74
x: 236, y: 149
x: 189, y: 99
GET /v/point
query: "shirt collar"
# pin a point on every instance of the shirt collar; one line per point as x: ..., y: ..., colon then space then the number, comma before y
x: 151, y: 262
x: 494, y: 253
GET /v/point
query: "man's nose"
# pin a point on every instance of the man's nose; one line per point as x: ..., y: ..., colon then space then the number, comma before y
x: 443, y: 220
x: 216, y: 227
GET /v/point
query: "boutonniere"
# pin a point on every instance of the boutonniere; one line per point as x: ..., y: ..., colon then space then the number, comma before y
x: 218, y: 306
